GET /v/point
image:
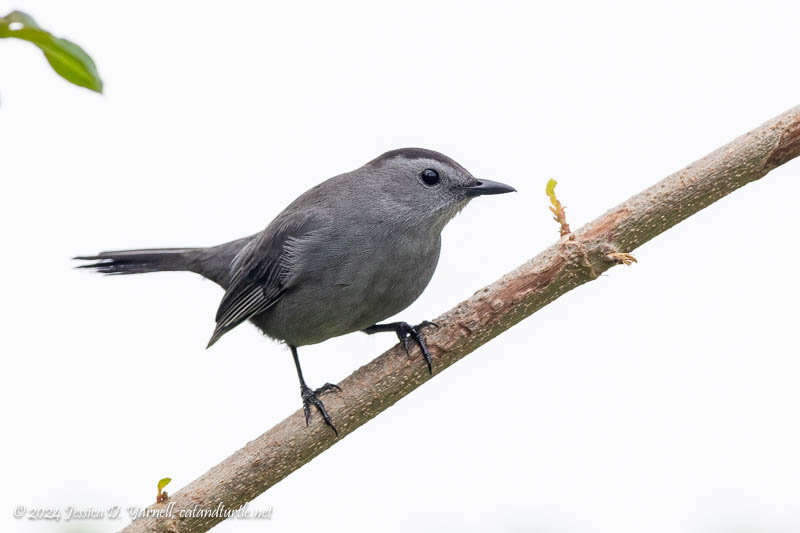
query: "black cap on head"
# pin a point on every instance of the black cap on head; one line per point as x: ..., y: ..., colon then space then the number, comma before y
x: 416, y: 153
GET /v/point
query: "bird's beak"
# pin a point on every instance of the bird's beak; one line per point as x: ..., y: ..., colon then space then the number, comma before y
x: 487, y: 187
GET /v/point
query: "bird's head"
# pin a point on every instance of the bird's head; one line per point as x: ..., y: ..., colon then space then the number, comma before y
x: 426, y: 185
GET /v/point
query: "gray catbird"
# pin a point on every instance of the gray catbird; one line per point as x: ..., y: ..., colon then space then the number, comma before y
x: 348, y: 253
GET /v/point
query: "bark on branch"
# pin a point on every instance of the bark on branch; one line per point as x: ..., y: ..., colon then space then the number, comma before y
x: 576, y: 258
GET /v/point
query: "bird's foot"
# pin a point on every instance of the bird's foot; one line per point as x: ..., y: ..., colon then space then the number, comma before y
x: 405, y: 332
x: 311, y: 397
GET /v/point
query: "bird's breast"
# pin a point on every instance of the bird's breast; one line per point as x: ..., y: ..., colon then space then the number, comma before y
x: 346, y: 285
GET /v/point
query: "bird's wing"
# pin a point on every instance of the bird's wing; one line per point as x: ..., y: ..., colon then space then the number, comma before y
x: 260, y: 272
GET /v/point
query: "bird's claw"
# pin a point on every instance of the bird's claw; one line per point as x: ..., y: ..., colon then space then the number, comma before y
x: 327, y: 388
x: 311, y: 397
x: 406, y: 332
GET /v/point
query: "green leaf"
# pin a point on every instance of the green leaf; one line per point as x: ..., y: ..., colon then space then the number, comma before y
x: 67, y: 58
x: 22, y: 18
x: 550, y: 189
x: 163, y: 483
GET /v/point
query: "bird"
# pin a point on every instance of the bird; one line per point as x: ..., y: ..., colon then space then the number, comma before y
x: 347, y: 254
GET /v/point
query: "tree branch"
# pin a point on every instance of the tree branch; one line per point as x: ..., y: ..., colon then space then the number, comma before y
x: 576, y: 258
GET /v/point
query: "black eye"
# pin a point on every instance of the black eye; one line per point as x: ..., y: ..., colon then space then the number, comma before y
x: 429, y: 177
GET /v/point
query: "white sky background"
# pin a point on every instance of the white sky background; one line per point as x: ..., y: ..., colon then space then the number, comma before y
x: 661, y: 397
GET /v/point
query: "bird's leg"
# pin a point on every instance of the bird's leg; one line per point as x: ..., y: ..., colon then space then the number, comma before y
x: 311, y: 397
x: 404, y: 331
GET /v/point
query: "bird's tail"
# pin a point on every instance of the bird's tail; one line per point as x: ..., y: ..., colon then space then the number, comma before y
x: 140, y: 261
